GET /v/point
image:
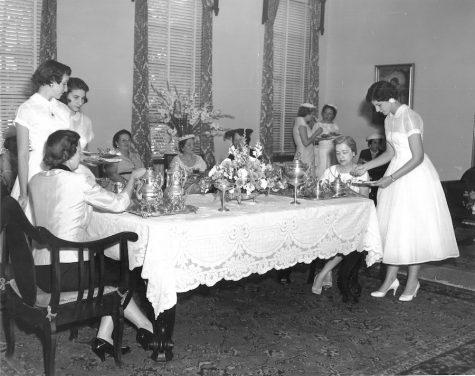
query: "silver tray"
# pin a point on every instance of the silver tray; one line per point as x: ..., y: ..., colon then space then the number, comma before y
x: 162, y: 211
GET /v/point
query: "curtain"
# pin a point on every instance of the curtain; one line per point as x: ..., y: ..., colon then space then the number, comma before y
x: 267, y: 94
x: 206, y: 76
x: 315, y: 25
x: 48, y: 31
x: 140, y: 123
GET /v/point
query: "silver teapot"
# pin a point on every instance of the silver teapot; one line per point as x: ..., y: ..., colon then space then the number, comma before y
x: 175, y: 195
x: 148, y: 190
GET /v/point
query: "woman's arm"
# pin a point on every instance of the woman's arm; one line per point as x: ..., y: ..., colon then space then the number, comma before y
x: 23, y: 145
x: 308, y: 140
x: 380, y: 160
x: 417, y: 151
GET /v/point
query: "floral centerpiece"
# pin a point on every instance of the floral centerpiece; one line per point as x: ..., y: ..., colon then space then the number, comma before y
x: 246, y: 173
x: 184, y: 115
x: 469, y: 201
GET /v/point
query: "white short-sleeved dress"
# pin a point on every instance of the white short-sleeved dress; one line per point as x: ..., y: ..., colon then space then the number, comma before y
x: 414, y: 219
x: 82, y: 124
x: 325, y: 151
x: 305, y: 153
x: 41, y: 117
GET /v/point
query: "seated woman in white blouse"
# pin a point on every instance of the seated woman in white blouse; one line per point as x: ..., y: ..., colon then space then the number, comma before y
x: 63, y: 202
x: 189, y: 161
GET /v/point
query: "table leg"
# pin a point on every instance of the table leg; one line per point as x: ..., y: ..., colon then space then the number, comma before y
x: 163, y: 331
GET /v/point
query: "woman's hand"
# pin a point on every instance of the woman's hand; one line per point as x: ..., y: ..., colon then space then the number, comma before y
x: 137, y: 174
x: 358, y: 170
x: 23, y: 201
x: 383, y: 182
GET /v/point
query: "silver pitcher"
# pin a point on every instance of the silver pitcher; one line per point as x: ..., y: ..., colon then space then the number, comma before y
x: 149, y: 190
x: 175, y: 195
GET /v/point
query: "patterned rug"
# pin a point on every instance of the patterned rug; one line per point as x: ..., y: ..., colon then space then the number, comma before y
x: 259, y: 327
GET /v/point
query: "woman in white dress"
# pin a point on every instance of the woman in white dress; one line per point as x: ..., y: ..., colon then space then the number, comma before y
x: 414, y: 219
x: 304, y: 136
x: 325, y: 151
x: 345, y: 151
x: 75, y: 98
x: 36, y: 119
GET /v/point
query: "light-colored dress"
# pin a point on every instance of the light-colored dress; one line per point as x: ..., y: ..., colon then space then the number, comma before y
x: 305, y: 153
x: 199, y: 164
x: 127, y: 165
x: 331, y: 173
x: 67, y: 212
x: 414, y: 219
x: 325, y: 151
x: 41, y: 117
x: 82, y: 124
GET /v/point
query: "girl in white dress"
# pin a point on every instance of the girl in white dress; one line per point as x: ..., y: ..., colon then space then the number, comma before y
x: 304, y: 136
x: 325, y: 151
x: 345, y: 151
x: 414, y: 219
x: 36, y: 119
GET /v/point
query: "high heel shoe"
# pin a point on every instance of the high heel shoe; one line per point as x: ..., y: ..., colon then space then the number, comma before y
x: 380, y: 294
x: 144, y: 338
x: 316, y: 289
x: 101, y: 347
x: 409, y: 297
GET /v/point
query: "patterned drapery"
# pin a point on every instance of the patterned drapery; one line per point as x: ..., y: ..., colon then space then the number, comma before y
x: 314, y: 80
x: 140, y: 123
x: 206, y: 80
x: 267, y: 98
x: 48, y: 31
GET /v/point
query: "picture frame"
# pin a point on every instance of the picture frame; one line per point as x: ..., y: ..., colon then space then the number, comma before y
x: 402, y: 76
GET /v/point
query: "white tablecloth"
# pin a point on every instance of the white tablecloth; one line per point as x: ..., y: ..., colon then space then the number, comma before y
x: 180, y: 252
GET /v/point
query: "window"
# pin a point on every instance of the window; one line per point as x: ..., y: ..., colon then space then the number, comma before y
x: 174, y: 46
x: 291, y: 55
x: 20, y: 23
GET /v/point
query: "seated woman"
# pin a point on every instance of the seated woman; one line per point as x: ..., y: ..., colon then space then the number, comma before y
x: 120, y: 171
x: 66, y: 214
x: 238, y: 138
x: 345, y: 151
x: 189, y: 161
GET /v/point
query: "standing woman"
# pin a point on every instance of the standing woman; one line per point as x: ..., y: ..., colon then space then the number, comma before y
x: 303, y: 136
x: 325, y: 151
x: 75, y: 98
x: 36, y: 119
x: 414, y: 219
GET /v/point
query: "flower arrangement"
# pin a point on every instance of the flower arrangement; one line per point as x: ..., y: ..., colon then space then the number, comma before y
x: 246, y: 173
x: 184, y: 116
x: 469, y: 200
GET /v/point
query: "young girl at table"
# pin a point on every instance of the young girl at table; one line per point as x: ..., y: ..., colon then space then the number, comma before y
x: 414, y: 219
x: 345, y: 151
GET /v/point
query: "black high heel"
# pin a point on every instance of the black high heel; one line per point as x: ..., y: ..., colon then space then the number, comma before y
x: 144, y: 338
x: 101, y: 347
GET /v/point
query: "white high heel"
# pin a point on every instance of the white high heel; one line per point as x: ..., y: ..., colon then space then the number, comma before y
x: 380, y: 294
x: 316, y: 290
x: 409, y: 297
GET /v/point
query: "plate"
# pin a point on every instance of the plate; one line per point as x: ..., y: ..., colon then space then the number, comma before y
x: 363, y: 183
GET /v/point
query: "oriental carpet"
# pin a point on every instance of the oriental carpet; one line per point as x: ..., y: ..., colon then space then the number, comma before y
x: 258, y: 327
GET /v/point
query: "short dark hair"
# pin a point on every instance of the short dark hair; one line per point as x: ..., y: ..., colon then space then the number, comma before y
x: 229, y: 135
x: 181, y: 144
x: 115, y: 139
x: 74, y: 83
x: 346, y: 140
x: 335, y: 111
x: 49, y: 71
x: 381, y: 91
x: 304, y: 111
x: 60, y: 147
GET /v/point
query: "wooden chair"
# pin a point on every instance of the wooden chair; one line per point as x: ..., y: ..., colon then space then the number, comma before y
x: 50, y: 311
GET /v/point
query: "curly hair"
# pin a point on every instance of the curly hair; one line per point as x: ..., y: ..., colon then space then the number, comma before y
x: 60, y: 147
x: 115, y: 139
x: 48, y: 72
x: 347, y: 140
x: 304, y: 111
x: 333, y: 108
x: 381, y: 91
x: 182, y: 143
x: 74, y: 83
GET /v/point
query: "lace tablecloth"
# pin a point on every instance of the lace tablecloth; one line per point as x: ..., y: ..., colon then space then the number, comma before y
x: 180, y: 252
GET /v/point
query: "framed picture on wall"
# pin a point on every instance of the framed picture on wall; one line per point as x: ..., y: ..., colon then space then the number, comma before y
x: 401, y: 76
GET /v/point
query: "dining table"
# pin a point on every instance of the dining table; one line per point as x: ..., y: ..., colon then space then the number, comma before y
x: 201, y: 246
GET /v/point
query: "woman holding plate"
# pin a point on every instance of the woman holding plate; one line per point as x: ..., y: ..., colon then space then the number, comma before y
x: 325, y: 151
x: 414, y: 219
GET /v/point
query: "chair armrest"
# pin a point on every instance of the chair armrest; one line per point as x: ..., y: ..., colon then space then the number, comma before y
x: 454, y: 190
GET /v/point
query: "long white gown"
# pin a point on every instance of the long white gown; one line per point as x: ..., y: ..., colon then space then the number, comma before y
x: 325, y: 151
x: 414, y: 219
x: 305, y: 153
